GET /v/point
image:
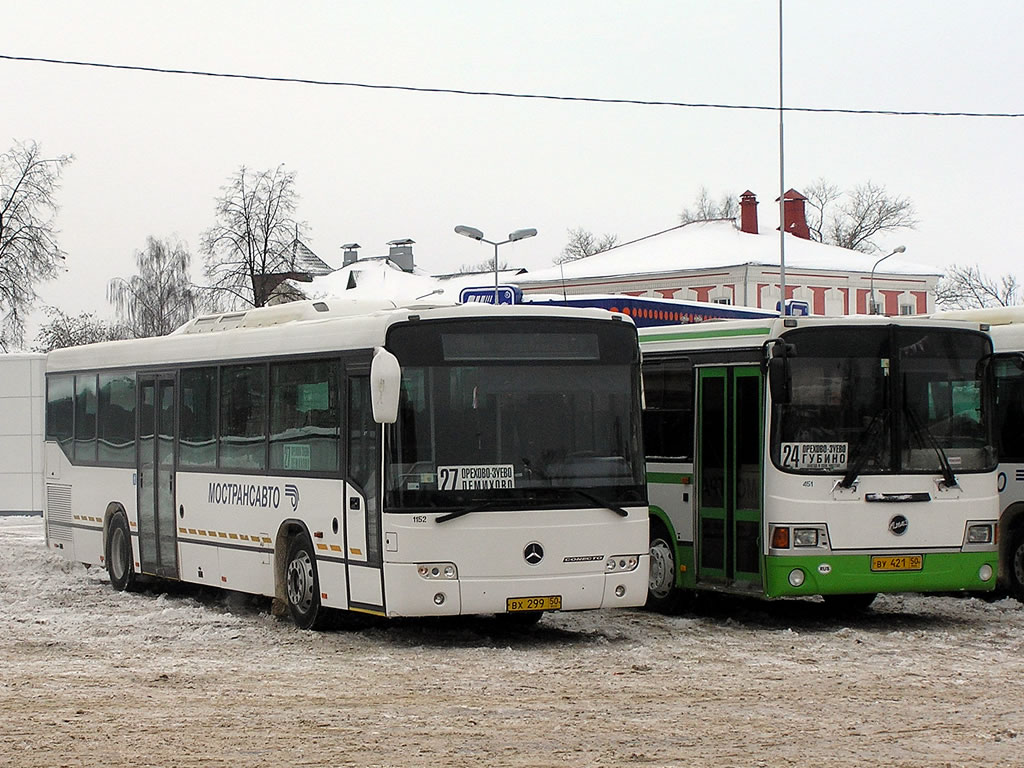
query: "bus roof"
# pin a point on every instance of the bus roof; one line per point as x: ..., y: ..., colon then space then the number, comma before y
x: 753, y: 333
x: 297, y: 328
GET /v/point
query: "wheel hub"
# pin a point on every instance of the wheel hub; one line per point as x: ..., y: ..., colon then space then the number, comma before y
x: 300, y: 582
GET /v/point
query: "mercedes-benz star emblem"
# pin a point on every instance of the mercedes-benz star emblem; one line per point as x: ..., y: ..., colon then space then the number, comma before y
x: 898, y: 525
x: 533, y: 553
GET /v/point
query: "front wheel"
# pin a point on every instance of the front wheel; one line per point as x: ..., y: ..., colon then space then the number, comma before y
x: 120, y: 560
x: 1015, y: 564
x: 302, y: 585
x: 662, y: 594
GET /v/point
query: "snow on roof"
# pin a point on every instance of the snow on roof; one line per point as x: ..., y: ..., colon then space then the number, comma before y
x: 302, y: 259
x: 715, y: 244
x: 382, y: 278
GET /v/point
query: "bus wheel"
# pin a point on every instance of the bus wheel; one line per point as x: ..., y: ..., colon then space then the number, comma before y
x: 662, y: 594
x: 1016, y: 564
x: 846, y: 604
x: 303, y: 585
x: 120, y: 563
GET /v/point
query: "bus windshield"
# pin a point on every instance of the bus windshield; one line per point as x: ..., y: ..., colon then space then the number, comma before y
x: 515, y: 412
x: 882, y: 400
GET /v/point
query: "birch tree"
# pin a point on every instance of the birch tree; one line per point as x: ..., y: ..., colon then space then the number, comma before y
x: 161, y: 296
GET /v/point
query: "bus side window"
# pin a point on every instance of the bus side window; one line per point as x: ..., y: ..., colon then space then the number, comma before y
x: 668, y: 412
x: 60, y: 411
x: 243, y: 416
x: 1009, y: 412
x: 85, y: 418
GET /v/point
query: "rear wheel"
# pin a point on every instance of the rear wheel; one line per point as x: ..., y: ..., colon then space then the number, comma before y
x: 302, y: 585
x: 120, y: 561
x: 1015, y: 564
x: 662, y: 594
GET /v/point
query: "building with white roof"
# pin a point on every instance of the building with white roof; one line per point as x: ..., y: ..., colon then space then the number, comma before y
x: 718, y: 261
x: 710, y: 261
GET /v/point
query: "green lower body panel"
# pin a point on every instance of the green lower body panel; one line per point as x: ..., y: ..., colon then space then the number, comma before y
x: 852, y: 574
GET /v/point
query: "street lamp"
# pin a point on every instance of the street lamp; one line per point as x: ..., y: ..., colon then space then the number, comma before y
x: 897, y: 249
x: 475, y: 234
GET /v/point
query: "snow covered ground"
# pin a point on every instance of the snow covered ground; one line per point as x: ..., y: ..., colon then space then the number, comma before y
x: 91, y: 677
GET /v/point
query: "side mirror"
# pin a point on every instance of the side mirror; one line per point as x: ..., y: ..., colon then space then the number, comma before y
x: 385, y: 386
x: 776, y: 354
x: 778, y: 380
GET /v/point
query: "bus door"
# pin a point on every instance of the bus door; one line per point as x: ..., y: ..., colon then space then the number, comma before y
x: 729, y: 475
x: 158, y: 541
x: 362, y: 502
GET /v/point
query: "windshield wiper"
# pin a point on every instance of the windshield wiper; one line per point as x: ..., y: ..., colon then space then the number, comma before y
x: 606, y: 504
x: 470, y: 510
x: 925, y: 436
x: 864, y: 448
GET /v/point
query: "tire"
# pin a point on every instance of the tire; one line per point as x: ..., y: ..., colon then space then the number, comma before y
x: 302, y: 585
x: 662, y: 594
x: 841, y: 605
x: 1015, y: 564
x: 119, y: 557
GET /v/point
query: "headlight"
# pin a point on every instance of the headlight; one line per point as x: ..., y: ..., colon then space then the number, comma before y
x: 621, y: 563
x: 805, y: 537
x: 446, y: 571
x: 979, y: 534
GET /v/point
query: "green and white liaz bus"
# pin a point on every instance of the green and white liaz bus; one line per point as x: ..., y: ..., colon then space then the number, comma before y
x: 840, y: 457
x: 408, y: 461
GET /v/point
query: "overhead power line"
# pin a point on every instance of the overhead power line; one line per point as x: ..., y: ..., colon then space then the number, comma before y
x: 505, y: 94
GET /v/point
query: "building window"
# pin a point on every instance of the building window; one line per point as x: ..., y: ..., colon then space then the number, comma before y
x: 906, y: 309
x: 723, y: 300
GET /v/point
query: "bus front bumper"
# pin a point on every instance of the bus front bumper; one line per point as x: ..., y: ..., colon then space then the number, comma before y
x: 787, y: 576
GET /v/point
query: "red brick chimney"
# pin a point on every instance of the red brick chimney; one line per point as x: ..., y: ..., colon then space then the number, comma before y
x: 748, y: 212
x: 794, y: 215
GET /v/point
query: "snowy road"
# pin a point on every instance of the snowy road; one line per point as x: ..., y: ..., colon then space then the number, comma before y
x: 90, y: 677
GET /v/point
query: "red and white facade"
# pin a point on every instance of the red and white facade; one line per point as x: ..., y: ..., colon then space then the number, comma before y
x: 719, y: 261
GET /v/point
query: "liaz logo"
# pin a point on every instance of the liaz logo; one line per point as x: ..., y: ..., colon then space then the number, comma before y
x: 898, y: 525
x: 292, y: 492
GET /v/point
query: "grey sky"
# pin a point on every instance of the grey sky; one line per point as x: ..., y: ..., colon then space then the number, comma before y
x: 152, y: 151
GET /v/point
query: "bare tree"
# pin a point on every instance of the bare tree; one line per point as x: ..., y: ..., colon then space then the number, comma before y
x: 583, y: 243
x: 706, y: 209
x: 28, y: 238
x: 484, y: 266
x: 967, y: 288
x: 855, y: 218
x: 64, y: 330
x: 821, y: 197
x: 246, y: 252
x: 161, y: 296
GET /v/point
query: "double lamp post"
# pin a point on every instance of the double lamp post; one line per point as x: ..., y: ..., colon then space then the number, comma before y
x: 475, y: 234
